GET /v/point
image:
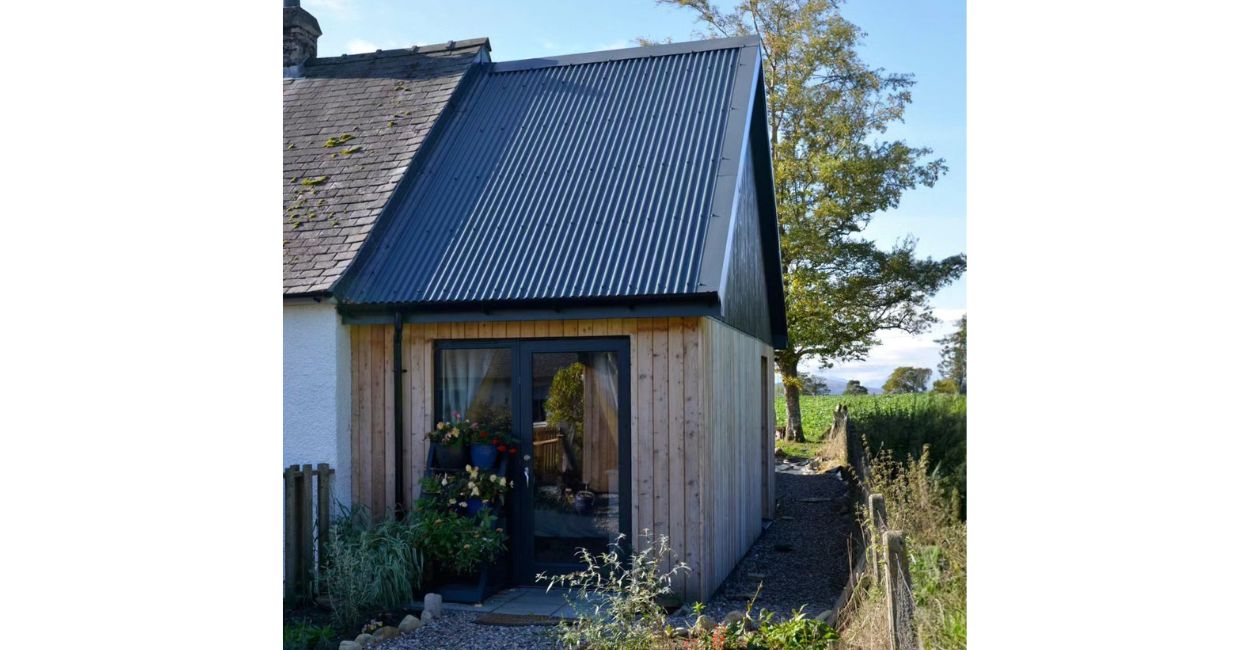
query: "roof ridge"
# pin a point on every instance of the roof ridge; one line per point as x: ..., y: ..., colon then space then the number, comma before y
x: 404, y: 51
x: 642, y: 51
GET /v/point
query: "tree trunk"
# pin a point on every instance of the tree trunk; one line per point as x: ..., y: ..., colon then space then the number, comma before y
x: 790, y: 384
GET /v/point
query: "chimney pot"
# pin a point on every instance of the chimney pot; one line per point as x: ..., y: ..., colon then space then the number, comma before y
x: 299, y: 37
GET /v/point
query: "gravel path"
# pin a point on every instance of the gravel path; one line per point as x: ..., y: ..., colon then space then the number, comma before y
x: 801, y: 558
x: 457, y: 630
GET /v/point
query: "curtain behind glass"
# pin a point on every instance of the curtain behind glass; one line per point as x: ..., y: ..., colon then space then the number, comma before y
x: 477, y: 384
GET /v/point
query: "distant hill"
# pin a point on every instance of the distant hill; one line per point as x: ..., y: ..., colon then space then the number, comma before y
x: 836, y: 384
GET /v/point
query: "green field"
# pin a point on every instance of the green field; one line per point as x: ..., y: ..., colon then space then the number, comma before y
x: 902, y: 424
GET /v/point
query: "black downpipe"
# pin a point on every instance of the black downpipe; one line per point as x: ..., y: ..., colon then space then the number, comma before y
x: 398, y: 364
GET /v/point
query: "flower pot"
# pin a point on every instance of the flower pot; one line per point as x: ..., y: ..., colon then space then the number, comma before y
x: 483, y: 455
x: 584, y: 502
x: 450, y: 456
x: 475, y: 506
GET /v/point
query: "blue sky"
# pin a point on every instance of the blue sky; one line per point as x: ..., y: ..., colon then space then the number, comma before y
x: 922, y: 37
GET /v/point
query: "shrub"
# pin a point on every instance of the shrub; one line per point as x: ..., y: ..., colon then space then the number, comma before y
x: 371, y: 566
x: 456, y: 541
x: 623, y: 596
x: 302, y: 635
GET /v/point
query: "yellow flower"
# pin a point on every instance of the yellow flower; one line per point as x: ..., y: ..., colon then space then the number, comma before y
x: 466, y: 546
x: 441, y: 425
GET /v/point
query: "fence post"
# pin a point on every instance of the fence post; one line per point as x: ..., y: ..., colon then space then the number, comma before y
x: 324, y: 476
x: 898, y: 599
x: 290, y: 554
x: 306, y: 530
x: 878, y: 520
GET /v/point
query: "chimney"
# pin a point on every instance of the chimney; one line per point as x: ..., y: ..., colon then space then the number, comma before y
x: 299, y: 38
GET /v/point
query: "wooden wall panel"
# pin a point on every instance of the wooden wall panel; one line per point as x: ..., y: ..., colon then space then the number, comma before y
x: 695, y: 419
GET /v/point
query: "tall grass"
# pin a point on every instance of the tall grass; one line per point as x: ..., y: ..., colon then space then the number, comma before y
x: 937, y: 549
x: 901, y: 424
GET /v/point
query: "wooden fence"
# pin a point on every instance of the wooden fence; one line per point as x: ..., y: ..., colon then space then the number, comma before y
x: 878, y: 555
x: 301, y: 547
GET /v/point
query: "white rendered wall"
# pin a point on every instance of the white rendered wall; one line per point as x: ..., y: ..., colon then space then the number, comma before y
x: 316, y: 392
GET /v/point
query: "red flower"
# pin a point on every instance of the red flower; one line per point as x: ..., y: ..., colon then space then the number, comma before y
x: 501, y: 448
x: 512, y: 451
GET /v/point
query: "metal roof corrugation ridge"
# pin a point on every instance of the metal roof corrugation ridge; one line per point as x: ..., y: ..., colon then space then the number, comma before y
x: 577, y: 181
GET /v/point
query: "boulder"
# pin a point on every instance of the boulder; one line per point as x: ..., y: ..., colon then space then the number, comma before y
x: 681, y: 632
x: 427, y: 616
x: 409, y: 624
x: 349, y: 645
x: 365, y: 640
x: 434, y: 605
x: 387, y: 633
x: 825, y: 617
x: 733, y: 617
x: 704, y: 623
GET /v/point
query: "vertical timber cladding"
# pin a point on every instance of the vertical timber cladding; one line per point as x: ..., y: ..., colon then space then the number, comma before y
x: 696, y: 470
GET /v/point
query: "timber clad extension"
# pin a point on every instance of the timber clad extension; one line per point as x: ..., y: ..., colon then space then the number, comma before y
x: 504, y: 221
x: 696, y: 388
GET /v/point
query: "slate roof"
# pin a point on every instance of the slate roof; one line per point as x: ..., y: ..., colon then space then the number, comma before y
x: 608, y: 177
x: 332, y: 196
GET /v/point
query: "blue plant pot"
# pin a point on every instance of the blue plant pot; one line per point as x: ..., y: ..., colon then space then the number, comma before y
x: 475, y: 506
x: 483, y: 455
x: 449, y: 456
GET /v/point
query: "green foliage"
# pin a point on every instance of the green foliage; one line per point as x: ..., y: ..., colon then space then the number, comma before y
x: 853, y: 387
x: 954, y: 364
x: 566, y: 399
x: 903, y: 424
x: 906, y: 379
x: 833, y: 171
x: 946, y: 386
x: 812, y: 385
x: 455, y: 541
x: 371, y: 565
x: 616, y: 599
x: 302, y: 635
x: 335, y: 141
x: 797, y: 633
x: 919, y: 504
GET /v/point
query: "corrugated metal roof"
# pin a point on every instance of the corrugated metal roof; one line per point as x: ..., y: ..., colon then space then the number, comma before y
x: 586, y: 177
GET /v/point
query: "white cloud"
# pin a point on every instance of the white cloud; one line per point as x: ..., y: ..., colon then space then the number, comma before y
x: 361, y: 46
x: 896, y: 349
x: 550, y: 46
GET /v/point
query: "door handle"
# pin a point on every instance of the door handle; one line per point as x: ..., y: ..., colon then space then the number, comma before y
x: 526, y: 471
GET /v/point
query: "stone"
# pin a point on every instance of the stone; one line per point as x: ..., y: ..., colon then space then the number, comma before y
x: 681, y: 632
x: 434, y: 605
x: 387, y: 633
x: 349, y: 645
x: 826, y: 617
x: 427, y: 616
x: 733, y: 617
x: 704, y: 623
x: 409, y: 624
x: 365, y: 640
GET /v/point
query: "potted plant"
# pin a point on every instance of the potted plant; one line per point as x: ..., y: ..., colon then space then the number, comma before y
x: 456, y: 542
x: 488, y: 446
x: 481, y: 489
x: 449, y: 439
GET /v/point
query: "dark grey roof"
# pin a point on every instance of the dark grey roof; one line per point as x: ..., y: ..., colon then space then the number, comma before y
x: 609, y: 178
x: 387, y: 101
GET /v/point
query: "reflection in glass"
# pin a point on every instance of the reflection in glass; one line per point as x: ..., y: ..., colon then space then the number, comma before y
x: 576, y: 464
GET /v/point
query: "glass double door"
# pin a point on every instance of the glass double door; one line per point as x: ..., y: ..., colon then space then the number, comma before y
x: 567, y: 403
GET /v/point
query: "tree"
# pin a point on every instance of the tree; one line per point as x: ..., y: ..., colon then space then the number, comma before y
x: 813, y: 385
x: 906, y: 379
x: 946, y: 386
x: 854, y: 388
x: 954, y: 363
x: 833, y: 171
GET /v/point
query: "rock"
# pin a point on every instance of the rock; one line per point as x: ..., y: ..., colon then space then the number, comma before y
x: 825, y: 617
x: 733, y: 617
x: 365, y: 640
x: 386, y: 634
x: 681, y: 632
x: 427, y: 616
x: 349, y: 645
x: 409, y: 624
x: 704, y: 623
x: 434, y: 605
